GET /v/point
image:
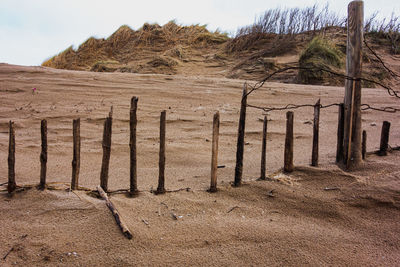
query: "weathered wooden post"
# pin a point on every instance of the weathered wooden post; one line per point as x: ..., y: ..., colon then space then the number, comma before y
x: 161, y: 162
x: 364, y: 144
x: 352, y: 99
x: 11, y: 159
x: 384, y: 139
x: 315, y: 147
x: 132, y: 145
x: 240, y: 140
x: 340, y: 134
x: 106, y: 152
x: 214, y: 155
x: 288, y: 158
x: 43, y: 154
x: 264, y: 149
x: 76, y: 159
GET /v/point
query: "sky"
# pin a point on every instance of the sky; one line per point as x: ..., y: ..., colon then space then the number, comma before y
x: 32, y: 31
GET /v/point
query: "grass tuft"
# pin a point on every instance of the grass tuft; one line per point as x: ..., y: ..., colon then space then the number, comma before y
x: 319, y: 53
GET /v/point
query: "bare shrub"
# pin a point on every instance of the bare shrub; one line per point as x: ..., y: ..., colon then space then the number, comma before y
x: 312, y: 19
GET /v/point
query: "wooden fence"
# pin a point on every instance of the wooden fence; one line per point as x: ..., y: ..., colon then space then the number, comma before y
x: 288, y: 165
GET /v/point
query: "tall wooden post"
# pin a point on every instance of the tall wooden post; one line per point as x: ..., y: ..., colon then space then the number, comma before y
x: 214, y: 155
x: 43, y: 154
x: 264, y: 149
x: 161, y: 161
x: 384, y: 139
x: 315, y: 147
x: 132, y: 145
x: 352, y: 99
x: 240, y: 140
x: 106, y: 152
x: 288, y: 157
x: 76, y: 159
x: 11, y: 159
x: 340, y: 134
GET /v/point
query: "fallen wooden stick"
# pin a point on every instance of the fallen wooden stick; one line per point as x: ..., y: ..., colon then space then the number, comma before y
x: 331, y: 188
x: 115, y: 213
x: 11, y: 249
x: 231, y: 209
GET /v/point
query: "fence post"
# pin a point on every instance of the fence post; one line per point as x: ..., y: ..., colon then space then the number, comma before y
x: 76, y: 159
x: 384, y: 139
x: 315, y: 147
x: 240, y: 140
x: 106, y: 152
x: 11, y: 160
x: 340, y: 134
x: 264, y: 149
x: 214, y: 155
x: 161, y: 162
x: 364, y: 144
x: 352, y: 99
x: 288, y: 159
x: 132, y: 145
x: 43, y: 154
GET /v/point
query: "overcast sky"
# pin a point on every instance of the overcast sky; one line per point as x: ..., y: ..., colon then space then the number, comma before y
x: 34, y: 30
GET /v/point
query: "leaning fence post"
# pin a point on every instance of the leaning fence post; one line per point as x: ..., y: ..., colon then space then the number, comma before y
x: 384, y: 138
x: 76, y: 160
x: 106, y: 152
x: 161, y: 162
x: 43, y: 154
x: 240, y: 140
x: 315, y: 146
x: 132, y: 145
x: 214, y: 156
x: 340, y: 134
x: 264, y: 149
x: 288, y: 158
x: 364, y: 144
x: 11, y: 160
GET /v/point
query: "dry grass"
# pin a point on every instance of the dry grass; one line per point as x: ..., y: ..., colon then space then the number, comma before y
x: 313, y: 20
x: 125, y: 44
x: 319, y: 54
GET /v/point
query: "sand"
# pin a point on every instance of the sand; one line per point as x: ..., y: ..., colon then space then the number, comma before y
x: 290, y: 220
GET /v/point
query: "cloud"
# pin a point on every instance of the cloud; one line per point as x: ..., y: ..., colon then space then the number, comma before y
x: 33, y: 30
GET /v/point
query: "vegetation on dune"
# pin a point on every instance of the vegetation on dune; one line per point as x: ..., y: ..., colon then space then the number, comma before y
x: 275, y: 40
x: 313, y: 20
x: 319, y: 54
x: 121, y: 44
x: 162, y: 61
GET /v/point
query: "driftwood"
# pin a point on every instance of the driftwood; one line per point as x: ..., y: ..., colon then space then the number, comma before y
x: 288, y: 156
x: 340, y: 134
x: 240, y: 140
x: 264, y: 149
x: 43, y: 154
x: 214, y: 156
x: 11, y: 160
x: 106, y: 151
x: 115, y: 213
x: 132, y: 147
x: 315, y: 146
x: 161, y: 162
x: 364, y: 144
x: 384, y: 138
x: 76, y: 161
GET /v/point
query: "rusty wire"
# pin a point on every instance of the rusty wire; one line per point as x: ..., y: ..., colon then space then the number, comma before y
x: 390, y: 71
x: 259, y: 84
x: 364, y: 107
